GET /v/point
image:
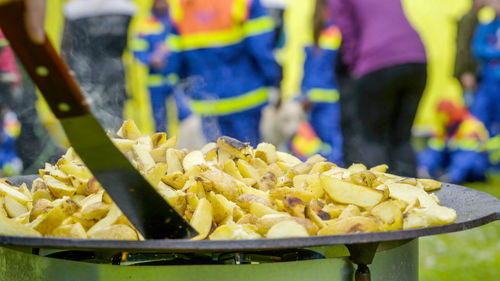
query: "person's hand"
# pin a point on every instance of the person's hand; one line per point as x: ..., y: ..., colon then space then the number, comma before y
x: 307, y: 104
x: 468, y: 81
x: 159, y: 56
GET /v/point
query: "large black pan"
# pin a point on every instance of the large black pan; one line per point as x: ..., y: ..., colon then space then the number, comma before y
x: 474, y: 208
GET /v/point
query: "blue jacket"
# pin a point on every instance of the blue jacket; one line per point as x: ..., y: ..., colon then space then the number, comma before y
x: 225, y: 50
x: 486, y: 47
x: 319, y: 83
x: 151, y: 34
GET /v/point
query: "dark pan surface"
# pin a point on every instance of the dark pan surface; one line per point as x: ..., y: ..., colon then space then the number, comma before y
x: 474, y: 208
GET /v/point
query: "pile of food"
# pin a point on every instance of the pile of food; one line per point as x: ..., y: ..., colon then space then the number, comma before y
x: 226, y: 190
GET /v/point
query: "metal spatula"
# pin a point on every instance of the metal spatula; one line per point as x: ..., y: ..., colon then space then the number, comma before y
x: 153, y: 217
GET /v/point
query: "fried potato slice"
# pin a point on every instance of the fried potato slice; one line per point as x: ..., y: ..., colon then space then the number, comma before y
x: 287, y: 158
x: 129, y: 130
x: 14, y: 228
x: 429, y: 184
x: 389, y: 214
x: 234, y: 147
x: 110, y: 219
x: 202, y: 219
x: 235, y: 232
x: 429, y: 216
x: 260, y: 210
x: 62, y: 208
x: 409, y: 194
x: 8, y: 190
x: 348, y: 193
x: 247, y: 170
x: 221, y: 207
x: 348, y: 225
x: 58, y: 188
x: 223, y: 183
x: 266, y: 152
x: 14, y: 208
x: 155, y: 174
x: 115, y: 232
x: 287, y: 229
x: 174, y: 161
x: 192, y: 159
x: 70, y: 231
x: 231, y: 169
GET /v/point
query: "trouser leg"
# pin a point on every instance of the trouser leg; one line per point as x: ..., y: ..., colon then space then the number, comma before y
x: 325, y: 119
x: 403, y: 157
x: 158, y: 97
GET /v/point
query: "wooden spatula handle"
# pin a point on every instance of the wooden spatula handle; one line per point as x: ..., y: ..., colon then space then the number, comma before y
x: 43, y: 64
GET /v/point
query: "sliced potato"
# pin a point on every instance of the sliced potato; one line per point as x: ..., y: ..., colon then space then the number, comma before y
x: 14, y: 228
x: 390, y: 215
x: 58, y: 188
x: 247, y: 170
x: 115, y: 232
x: 350, y: 225
x: 260, y: 210
x: 348, y: 193
x: 129, y: 130
x: 266, y: 152
x: 429, y: 184
x: 174, y: 161
x: 429, y: 216
x: 155, y: 174
x: 193, y: 159
x: 223, y: 183
x: 410, y: 194
x: 230, y: 168
x: 288, y: 158
x: 234, y: 147
x: 234, y: 232
x: 202, y: 219
x: 70, y: 231
x: 14, y: 208
x: 8, y: 190
x: 287, y: 229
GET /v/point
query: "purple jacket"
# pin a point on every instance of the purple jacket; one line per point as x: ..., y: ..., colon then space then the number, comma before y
x: 376, y: 35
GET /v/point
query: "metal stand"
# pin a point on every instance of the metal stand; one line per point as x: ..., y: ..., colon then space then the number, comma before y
x: 362, y: 255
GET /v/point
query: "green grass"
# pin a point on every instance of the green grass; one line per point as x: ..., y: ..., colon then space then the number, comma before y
x: 468, y: 255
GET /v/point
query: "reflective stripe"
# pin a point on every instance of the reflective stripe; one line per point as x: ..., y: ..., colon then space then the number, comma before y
x: 465, y: 144
x: 231, y: 105
x: 437, y: 144
x: 323, y: 95
x: 258, y: 26
x: 155, y: 80
x: 172, y: 79
x: 493, y: 148
x: 206, y: 40
x: 139, y: 44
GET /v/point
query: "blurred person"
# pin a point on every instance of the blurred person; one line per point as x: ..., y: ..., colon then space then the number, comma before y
x: 149, y: 48
x: 486, y: 107
x: 320, y: 94
x: 466, y: 65
x: 386, y: 59
x: 457, y: 150
x: 95, y: 37
x: 224, y: 51
x: 10, y: 79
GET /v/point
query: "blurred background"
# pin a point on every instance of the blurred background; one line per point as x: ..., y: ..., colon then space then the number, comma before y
x: 296, y: 73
